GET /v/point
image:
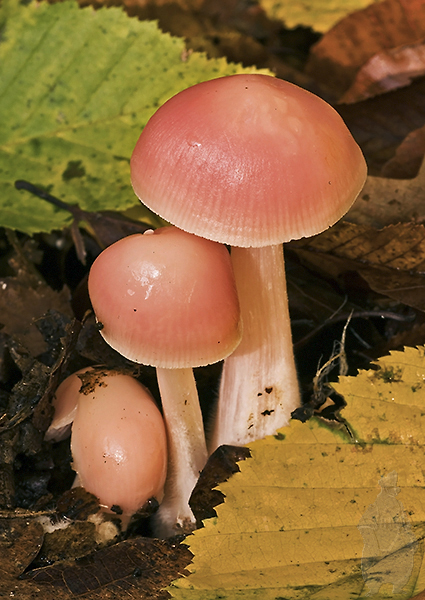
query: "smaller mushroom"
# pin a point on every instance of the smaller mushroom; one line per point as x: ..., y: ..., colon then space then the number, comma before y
x: 168, y: 299
x: 118, y: 437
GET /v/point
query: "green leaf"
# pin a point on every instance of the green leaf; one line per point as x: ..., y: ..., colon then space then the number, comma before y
x: 320, y: 15
x: 76, y: 88
x: 321, y: 514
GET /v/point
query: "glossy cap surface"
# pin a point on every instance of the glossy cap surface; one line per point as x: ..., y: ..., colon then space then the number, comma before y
x: 118, y: 442
x: 167, y: 299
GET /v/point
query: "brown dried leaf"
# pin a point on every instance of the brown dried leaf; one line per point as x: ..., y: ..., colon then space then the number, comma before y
x: 28, y: 413
x: 380, y: 124
x: 408, y: 158
x: 413, y: 335
x: 391, y: 260
x: 139, y: 569
x: 313, y: 300
x: 384, y: 202
x: 402, y: 287
x: 337, y: 57
x: 400, y: 247
x: 220, y: 466
x: 75, y: 541
x: 77, y: 504
x: 22, y: 302
x: 20, y: 541
x: 386, y: 71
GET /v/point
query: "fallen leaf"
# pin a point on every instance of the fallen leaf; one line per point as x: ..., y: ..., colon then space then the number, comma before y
x: 391, y: 260
x: 21, y: 538
x: 400, y: 247
x: 386, y: 71
x: 220, y: 466
x: 22, y: 302
x: 321, y: 15
x: 385, y: 404
x: 321, y: 514
x: 407, y: 160
x: 76, y: 88
x: 239, y: 31
x: 337, y: 57
x: 135, y: 569
x: 381, y: 124
x: 384, y: 202
x: 74, y: 541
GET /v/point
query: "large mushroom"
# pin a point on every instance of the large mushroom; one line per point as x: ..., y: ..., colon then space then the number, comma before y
x: 168, y: 299
x: 251, y: 161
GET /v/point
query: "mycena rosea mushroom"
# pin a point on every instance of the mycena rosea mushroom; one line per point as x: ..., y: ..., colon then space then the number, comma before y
x: 118, y: 440
x: 168, y: 299
x: 251, y: 161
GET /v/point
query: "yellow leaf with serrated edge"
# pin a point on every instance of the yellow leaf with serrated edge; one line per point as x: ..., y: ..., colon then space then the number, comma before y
x: 387, y: 405
x: 321, y: 514
x: 320, y: 15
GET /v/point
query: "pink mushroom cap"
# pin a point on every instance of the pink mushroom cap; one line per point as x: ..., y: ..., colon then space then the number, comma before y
x: 167, y: 299
x: 248, y: 160
x: 118, y: 441
x: 119, y: 444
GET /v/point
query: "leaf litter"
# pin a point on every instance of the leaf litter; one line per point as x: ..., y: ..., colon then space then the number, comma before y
x: 338, y: 56
x: 61, y: 344
x: 57, y: 540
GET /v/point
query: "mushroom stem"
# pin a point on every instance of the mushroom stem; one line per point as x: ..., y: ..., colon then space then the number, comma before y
x: 187, y: 452
x: 259, y: 386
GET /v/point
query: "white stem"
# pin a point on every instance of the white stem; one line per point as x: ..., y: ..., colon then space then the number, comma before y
x: 259, y: 386
x: 187, y: 452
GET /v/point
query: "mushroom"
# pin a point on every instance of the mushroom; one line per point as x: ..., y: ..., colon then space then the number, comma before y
x: 118, y: 438
x: 251, y: 161
x: 168, y: 299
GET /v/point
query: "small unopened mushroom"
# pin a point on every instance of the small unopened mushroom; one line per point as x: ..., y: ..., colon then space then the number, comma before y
x: 251, y: 161
x: 118, y: 438
x: 168, y: 299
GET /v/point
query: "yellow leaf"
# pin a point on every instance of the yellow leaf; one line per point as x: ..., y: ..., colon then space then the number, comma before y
x: 321, y: 514
x: 320, y: 15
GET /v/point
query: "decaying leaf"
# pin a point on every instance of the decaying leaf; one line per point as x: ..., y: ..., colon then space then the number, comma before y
x: 381, y: 124
x: 22, y: 302
x: 391, y: 260
x: 220, y: 466
x: 388, y: 70
x: 384, y: 202
x: 21, y: 538
x: 407, y: 160
x: 134, y: 569
x: 326, y: 513
x: 338, y: 56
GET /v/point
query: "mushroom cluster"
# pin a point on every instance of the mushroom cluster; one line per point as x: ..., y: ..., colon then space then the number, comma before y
x: 167, y: 298
x: 251, y: 161
x: 246, y: 160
